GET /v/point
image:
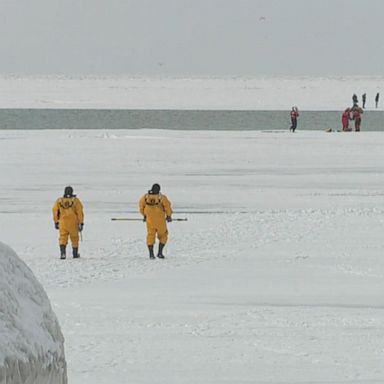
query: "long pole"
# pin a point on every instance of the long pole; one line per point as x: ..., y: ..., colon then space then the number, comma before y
x: 136, y: 219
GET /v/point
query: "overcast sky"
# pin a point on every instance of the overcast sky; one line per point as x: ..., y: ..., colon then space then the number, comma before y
x: 192, y: 37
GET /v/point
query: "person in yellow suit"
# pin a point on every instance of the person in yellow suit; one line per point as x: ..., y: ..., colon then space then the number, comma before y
x: 68, y: 217
x: 156, y: 210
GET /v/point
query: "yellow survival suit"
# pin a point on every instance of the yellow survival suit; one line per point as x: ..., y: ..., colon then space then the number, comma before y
x: 68, y: 216
x: 156, y: 210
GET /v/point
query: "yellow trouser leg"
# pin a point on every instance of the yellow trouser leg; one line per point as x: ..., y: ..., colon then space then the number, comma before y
x: 163, y: 236
x: 151, y: 235
x: 74, y: 235
x: 63, y: 239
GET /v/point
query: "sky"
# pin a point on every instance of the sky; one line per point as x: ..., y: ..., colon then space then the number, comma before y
x: 192, y: 37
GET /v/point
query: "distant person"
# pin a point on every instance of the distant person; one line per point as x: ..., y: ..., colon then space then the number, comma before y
x: 355, y: 100
x: 68, y: 217
x: 345, y: 117
x: 356, y: 116
x: 364, y: 99
x: 294, y: 115
x: 377, y: 99
x: 157, y: 212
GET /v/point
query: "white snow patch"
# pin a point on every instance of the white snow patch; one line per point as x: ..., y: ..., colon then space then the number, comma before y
x: 276, y: 277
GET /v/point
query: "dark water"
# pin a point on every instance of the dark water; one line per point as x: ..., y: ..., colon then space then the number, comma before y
x: 177, y: 119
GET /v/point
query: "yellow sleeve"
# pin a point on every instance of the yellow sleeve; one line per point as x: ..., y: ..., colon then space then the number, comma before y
x: 142, y: 205
x: 79, y: 211
x: 56, y: 211
x: 167, y: 205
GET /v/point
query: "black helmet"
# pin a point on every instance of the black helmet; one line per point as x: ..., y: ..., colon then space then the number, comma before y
x: 68, y: 191
x: 155, y: 189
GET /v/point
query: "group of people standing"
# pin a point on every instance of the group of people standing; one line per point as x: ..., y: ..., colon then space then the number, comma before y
x: 364, y: 99
x: 68, y: 218
x: 350, y: 114
x: 354, y: 114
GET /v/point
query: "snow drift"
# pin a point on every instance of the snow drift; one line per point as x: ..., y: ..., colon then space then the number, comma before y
x: 31, y: 342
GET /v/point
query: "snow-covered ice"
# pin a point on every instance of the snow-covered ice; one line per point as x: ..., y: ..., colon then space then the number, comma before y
x: 236, y: 93
x: 276, y: 277
x: 31, y: 342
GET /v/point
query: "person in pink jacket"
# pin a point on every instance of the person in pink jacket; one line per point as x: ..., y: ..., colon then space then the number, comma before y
x: 345, y: 117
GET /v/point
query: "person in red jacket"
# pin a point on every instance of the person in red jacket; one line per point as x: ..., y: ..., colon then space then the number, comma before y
x: 294, y: 115
x: 345, y: 117
x: 356, y: 115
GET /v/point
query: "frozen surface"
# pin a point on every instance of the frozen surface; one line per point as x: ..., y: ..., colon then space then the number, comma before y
x: 276, y: 277
x: 261, y: 93
x: 31, y: 342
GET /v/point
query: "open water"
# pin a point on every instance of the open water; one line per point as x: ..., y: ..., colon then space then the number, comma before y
x: 177, y: 119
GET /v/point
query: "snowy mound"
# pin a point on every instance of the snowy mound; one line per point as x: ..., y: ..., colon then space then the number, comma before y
x: 31, y: 342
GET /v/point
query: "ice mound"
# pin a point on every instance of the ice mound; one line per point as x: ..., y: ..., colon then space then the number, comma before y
x: 31, y: 342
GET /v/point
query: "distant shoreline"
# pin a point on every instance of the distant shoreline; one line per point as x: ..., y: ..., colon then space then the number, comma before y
x: 230, y: 93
